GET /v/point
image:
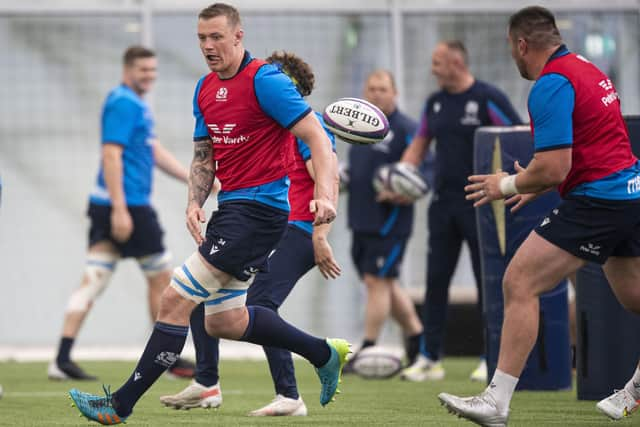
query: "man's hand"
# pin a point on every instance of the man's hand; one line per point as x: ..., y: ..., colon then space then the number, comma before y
x: 325, y: 211
x: 121, y: 224
x: 195, y: 217
x: 484, y: 188
x: 519, y: 200
x: 325, y: 261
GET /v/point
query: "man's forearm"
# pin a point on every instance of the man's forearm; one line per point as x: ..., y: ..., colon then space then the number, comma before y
x: 168, y: 163
x: 326, y: 173
x: 201, y: 173
x: 112, y: 168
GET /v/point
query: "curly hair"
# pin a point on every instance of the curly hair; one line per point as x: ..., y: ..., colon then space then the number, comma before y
x: 298, y: 71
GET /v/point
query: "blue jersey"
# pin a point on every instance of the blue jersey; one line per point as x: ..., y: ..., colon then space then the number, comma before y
x: 247, y: 117
x: 452, y: 119
x: 366, y: 215
x: 127, y: 121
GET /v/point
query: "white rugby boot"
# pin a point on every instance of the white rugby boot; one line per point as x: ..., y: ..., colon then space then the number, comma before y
x: 282, y: 406
x: 480, y: 409
x: 619, y: 405
x: 195, y: 395
x: 423, y: 369
x: 480, y: 374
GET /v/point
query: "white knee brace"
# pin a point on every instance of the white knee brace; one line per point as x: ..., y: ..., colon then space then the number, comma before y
x: 98, y: 270
x: 194, y: 281
x: 156, y: 263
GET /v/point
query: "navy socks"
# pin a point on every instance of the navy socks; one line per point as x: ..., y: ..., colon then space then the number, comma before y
x: 64, y: 351
x: 207, y: 354
x: 163, y: 349
x: 266, y: 328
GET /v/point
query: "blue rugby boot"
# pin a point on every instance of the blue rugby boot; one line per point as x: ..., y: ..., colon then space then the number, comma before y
x: 331, y: 373
x: 96, y: 408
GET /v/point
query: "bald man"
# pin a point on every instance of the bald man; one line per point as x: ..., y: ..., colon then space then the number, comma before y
x: 451, y: 117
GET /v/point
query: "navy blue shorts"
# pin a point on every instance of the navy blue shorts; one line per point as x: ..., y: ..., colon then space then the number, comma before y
x: 241, y: 235
x: 292, y: 259
x: 146, y: 238
x: 594, y: 229
x: 376, y: 255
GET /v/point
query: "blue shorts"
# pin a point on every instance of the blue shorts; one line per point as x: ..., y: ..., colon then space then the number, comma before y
x: 292, y: 259
x: 594, y: 229
x: 376, y: 255
x: 241, y: 235
x: 146, y: 238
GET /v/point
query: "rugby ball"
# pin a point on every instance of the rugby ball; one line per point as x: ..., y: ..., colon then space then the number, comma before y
x: 356, y: 121
x: 406, y: 180
x: 376, y: 363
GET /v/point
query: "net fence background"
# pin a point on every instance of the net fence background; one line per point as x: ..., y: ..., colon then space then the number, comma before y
x: 56, y: 68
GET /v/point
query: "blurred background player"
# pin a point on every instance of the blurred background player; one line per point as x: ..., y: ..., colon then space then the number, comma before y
x: 381, y: 229
x: 450, y: 117
x: 123, y: 222
x: 582, y: 148
x: 245, y: 111
x: 303, y: 246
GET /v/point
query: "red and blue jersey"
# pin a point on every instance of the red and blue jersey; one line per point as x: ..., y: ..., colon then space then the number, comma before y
x: 302, y: 185
x: 574, y: 104
x: 127, y: 121
x: 451, y: 119
x: 247, y: 118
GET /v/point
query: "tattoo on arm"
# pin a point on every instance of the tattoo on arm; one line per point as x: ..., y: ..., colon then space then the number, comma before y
x: 202, y: 172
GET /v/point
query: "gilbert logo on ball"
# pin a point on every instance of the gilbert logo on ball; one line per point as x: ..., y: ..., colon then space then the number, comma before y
x: 356, y: 121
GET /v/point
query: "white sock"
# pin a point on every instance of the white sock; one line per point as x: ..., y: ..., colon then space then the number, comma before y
x: 501, y: 388
x: 633, y: 386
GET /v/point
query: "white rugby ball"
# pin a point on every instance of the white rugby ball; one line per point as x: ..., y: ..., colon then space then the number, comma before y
x: 356, y: 121
x: 406, y: 180
x: 376, y: 363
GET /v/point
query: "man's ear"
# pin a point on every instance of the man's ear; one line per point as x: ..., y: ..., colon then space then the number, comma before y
x: 523, y: 46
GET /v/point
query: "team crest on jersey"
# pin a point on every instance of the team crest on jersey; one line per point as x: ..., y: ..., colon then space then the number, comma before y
x: 437, y: 107
x: 221, y: 95
x: 471, y: 114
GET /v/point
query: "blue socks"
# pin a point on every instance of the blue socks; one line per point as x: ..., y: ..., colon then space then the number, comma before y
x: 163, y: 349
x: 207, y: 355
x: 266, y: 328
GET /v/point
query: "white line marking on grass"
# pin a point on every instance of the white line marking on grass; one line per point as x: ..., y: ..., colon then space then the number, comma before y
x: 64, y: 393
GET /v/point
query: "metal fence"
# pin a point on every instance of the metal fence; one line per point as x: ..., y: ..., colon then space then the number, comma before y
x: 59, y: 58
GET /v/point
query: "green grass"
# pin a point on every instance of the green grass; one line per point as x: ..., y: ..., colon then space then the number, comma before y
x: 31, y: 400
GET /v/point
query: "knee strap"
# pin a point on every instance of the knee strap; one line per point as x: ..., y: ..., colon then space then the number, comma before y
x: 98, y: 271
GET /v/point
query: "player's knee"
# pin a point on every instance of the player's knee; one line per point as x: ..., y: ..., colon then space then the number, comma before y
x: 99, y: 268
x: 155, y: 264
x: 174, y: 307
x: 512, y: 288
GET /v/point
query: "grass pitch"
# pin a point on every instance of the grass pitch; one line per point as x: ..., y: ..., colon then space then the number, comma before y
x: 32, y: 400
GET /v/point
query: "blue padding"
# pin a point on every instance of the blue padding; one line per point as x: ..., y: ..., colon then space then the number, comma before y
x: 549, y: 364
